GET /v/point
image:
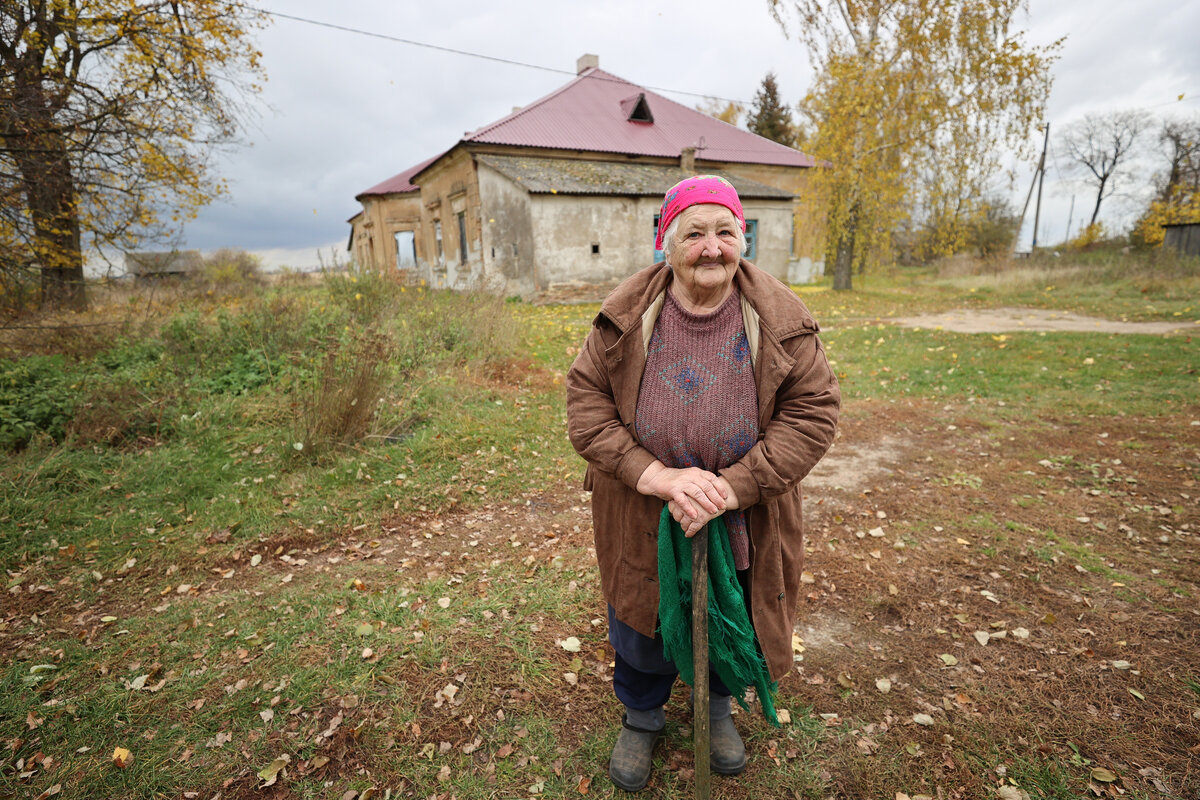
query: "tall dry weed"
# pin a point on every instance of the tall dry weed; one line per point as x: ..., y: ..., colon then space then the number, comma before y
x: 339, y: 401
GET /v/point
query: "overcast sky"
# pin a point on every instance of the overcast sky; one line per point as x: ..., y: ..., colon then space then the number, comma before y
x: 342, y: 111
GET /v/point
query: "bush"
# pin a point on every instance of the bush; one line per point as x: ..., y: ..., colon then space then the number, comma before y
x: 229, y: 268
x: 119, y: 412
x: 368, y: 297
x: 1088, y: 238
x: 35, y: 396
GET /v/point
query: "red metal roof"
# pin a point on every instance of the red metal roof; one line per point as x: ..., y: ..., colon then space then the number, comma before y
x: 592, y: 113
x: 402, y: 182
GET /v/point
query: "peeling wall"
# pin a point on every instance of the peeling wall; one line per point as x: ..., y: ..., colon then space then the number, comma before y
x: 508, y: 244
x: 448, y: 188
x: 567, y: 226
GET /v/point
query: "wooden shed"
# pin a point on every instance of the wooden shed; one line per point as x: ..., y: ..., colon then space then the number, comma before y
x: 148, y: 265
x: 1183, y: 237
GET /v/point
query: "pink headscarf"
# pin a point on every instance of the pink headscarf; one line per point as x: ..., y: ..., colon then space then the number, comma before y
x: 693, y: 192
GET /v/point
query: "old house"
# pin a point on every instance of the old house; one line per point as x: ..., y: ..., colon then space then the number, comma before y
x: 567, y: 189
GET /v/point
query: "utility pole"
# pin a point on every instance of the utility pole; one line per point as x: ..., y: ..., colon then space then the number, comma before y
x: 1021, y: 220
x: 1070, y: 218
x: 1037, y: 213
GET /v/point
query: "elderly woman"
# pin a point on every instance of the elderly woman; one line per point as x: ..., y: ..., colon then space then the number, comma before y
x: 703, y: 386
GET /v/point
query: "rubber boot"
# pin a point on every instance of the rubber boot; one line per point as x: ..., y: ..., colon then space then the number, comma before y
x: 727, y: 753
x: 629, y: 767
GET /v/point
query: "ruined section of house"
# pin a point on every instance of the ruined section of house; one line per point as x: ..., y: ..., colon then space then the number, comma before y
x: 567, y: 190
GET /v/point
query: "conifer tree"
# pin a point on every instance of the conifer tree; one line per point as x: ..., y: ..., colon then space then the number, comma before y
x: 769, y: 117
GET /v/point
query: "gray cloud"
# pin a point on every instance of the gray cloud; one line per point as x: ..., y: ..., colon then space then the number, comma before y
x: 343, y: 111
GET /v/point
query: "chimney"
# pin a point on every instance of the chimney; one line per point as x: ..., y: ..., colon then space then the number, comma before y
x: 687, y: 160
x: 586, y: 61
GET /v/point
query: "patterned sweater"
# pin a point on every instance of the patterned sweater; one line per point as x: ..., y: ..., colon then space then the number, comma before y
x: 697, y: 405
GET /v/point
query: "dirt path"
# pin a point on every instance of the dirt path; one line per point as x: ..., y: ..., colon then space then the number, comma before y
x: 1007, y: 320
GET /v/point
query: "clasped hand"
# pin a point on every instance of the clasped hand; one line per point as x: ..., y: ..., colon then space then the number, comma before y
x: 694, y: 496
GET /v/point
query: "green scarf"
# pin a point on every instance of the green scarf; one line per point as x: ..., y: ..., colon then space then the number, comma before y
x: 733, y: 651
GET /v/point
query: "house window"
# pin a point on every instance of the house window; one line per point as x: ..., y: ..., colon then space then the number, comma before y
x: 462, y: 237
x: 406, y: 250
x: 437, y: 236
x: 595, y: 248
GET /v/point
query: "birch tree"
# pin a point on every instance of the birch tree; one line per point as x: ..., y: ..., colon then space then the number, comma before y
x: 906, y: 88
x: 110, y: 114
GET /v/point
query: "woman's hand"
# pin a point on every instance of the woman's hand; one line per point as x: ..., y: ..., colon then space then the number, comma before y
x: 695, y: 491
x: 694, y: 524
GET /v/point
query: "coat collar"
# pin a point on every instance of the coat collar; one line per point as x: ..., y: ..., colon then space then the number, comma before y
x: 779, y: 309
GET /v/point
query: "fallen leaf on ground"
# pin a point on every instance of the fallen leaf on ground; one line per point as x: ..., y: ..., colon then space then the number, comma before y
x: 883, y: 685
x: 948, y: 659
x: 122, y: 757
x: 270, y: 773
x: 1103, y: 775
x: 922, y: 719
x: 571, y: 644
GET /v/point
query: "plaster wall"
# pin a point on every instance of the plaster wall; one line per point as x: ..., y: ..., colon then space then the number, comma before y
x: 567, y: 228
x: 507, y: 234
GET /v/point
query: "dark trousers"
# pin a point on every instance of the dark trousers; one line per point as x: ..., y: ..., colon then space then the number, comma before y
x: 643, y: 677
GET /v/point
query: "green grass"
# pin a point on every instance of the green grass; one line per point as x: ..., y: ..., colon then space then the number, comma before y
x: 1031, y: 373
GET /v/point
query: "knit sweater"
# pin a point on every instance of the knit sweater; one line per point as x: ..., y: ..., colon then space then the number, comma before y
x: 697, y: 405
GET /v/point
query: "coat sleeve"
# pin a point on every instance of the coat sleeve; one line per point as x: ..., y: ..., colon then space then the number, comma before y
x: 594, y: 424
x: 801, y: 427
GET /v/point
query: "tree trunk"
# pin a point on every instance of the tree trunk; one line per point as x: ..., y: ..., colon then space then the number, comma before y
x: 843, y: 262
x: 50, y: 192
x: 1099, y: 197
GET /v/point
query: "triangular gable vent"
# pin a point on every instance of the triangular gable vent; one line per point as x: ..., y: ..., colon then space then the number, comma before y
x: 636, y: 108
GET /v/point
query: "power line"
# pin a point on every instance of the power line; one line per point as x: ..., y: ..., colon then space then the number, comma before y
x: 455, y: 51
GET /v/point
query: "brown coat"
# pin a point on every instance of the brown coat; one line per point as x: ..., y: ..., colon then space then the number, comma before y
x: 798, y: 401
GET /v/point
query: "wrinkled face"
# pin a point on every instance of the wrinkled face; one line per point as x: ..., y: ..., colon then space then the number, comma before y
x: 706, y: 249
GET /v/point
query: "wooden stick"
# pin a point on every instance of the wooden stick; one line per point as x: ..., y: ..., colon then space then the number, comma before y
x: 700, y: 691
